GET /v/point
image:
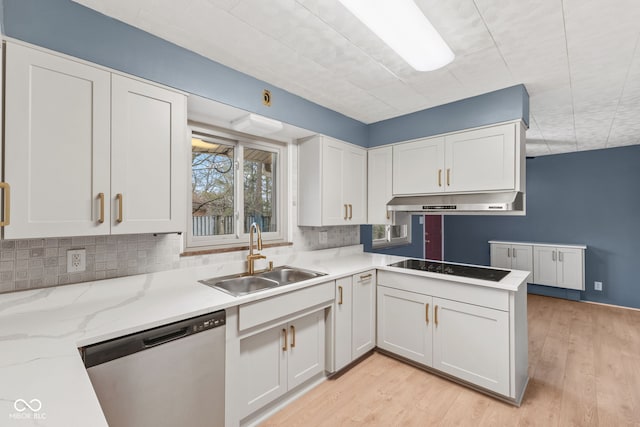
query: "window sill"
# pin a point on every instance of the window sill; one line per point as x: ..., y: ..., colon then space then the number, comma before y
x: 222, y: 250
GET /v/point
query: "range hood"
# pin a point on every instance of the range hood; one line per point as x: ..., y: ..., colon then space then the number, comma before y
x: 511, y: 201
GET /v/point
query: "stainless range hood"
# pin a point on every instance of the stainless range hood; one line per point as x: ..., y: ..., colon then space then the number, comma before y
x: 482, y: 203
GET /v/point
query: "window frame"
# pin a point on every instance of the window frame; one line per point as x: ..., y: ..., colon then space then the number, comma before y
x: 239, y: 238
x: 389, y: 241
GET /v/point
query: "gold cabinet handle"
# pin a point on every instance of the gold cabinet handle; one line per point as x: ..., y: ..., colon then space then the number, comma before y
x: 388, y: 215
x: 284, y: 332
x: 7, y: 204
x: 340, y: 293
x: 350, y: 211
x: 436, y: 315
x: 426, y: 312
x: 366, y: 276
x: 439, y: 177
x: 346, y: 209
x: 448, y: 177
x: 293, y: 336
x: 101, y: 198
x: 119, y: 198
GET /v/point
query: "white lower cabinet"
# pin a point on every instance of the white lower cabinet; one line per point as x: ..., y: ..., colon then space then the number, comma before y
x: 355, y: 318
x: 278, y: 359
x: 404, y: 324
x: 473, y: 333
x: 472, y: 343
x: 559, y: 266
x: 555, y: 265
x: 516, y: 257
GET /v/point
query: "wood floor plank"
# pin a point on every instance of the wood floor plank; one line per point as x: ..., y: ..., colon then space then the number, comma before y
x: 584, y: 364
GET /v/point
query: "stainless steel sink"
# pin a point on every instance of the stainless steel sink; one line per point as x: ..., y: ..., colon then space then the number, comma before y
x: 240, y: 284
x: 286, y: 275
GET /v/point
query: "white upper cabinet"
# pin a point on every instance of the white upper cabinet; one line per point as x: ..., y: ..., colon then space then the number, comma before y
x: 418, y: 167
x: 485, y: 159
x: 57, y: 141
x: 332, y: 182
x: 379, y: 184
x: 75, y: 139
x: 481, y: 160
x: 147, y: 157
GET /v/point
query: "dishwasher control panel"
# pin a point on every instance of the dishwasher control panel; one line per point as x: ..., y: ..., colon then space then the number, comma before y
x: 209, y: 323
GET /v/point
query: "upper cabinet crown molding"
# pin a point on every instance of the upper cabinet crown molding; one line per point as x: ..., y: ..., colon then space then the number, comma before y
x: 479, y: 160
x: 88, y: 152
x: 332, y: 182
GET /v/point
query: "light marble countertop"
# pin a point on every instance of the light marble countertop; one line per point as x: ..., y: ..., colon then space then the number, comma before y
x: 41, y: 330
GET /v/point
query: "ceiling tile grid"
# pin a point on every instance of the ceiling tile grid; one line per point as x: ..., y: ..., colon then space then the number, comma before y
x: 579, y: 59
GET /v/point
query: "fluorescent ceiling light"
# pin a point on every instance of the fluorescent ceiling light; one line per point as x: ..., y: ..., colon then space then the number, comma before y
x: 402, y: 25
x: 256, y: 125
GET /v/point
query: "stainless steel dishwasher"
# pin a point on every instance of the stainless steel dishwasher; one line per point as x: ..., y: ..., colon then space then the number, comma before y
x: 166, y: 376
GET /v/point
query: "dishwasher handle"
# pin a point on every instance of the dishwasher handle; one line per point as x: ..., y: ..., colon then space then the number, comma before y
x: 164, y: 338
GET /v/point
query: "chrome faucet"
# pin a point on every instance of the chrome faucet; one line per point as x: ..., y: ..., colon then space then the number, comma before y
x: 251, y: 258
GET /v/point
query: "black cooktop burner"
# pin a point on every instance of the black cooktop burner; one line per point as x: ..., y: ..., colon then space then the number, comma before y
x: 490, y: 274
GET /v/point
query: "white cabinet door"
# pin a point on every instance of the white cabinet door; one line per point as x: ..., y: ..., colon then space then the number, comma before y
x: 570, y: 270
x: 482, y: 159
x: 500, y: 255
x: 544, y: 265
x: 56, y: 145
x: 343, y: 316
x: 472, y: 343
x: 522, y: 257
x: 263, y: 369
x: 147, y: 158
x: 379, y: 185
x: 355, y: 184
x: 364, y: 314
x: 405, y: 324
x: 418, y: 167
x: 334, y: 207
x: 306, y: 348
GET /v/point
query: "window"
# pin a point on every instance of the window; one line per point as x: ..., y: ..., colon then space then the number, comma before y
x: 234, y: 182
x: 390, y: 235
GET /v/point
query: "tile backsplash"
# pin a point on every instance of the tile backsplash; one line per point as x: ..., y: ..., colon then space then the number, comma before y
x: 36, y: 263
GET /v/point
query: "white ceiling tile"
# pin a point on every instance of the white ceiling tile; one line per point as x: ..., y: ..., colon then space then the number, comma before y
x: 579, y: 59
x: 400, y: 96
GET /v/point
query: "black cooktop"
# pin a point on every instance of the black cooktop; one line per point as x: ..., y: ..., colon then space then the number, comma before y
x: 491, y: 274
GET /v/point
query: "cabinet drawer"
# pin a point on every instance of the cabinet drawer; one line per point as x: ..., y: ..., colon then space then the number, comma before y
x: 472, y: 294
x: 263, y: 311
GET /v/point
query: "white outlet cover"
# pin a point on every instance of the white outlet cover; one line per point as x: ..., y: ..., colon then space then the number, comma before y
x: 76, y: 260
x: 322, y: 237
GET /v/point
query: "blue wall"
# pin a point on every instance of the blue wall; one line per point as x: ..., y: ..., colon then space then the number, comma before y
x: 414, y: 250
x: 589, y: 197
x: 511, y: 103
x: 70, y: 28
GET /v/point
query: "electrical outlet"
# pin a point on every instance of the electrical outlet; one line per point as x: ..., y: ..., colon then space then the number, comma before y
x: 322, y: 237
x: 597, y: 286
x: 76, y: 260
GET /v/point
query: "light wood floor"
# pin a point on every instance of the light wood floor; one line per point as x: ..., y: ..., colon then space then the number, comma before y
x: 584, y: 364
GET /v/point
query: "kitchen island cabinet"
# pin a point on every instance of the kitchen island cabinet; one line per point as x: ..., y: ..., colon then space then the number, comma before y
x: 473, y: 334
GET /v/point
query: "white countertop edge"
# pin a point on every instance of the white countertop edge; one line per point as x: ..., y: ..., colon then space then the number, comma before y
x: 555, y: 245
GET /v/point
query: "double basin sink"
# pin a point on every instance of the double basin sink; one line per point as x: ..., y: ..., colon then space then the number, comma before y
x: 241, y: 284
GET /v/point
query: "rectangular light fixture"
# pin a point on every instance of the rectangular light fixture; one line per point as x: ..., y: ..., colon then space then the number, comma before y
x: 402, y: 25
x: 256, y: 125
